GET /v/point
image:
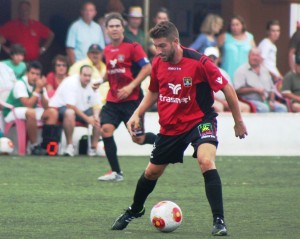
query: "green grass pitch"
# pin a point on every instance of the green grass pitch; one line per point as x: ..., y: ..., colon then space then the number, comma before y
x: 60, y: 197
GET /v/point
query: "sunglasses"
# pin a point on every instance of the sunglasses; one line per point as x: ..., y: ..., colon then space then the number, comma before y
x: 63, y: 65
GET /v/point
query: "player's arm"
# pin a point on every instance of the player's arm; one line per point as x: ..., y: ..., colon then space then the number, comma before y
x: 149, y: 99
x: 231, y: 97
x: 71, y: 55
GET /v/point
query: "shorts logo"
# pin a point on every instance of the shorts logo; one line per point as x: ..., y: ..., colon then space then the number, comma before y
x: 206, y: 130
x: 187, y: 81
x: 175, y: 88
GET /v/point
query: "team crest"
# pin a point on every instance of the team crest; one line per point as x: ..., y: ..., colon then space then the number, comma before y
x: 187, y: 81
x: 121, y: 58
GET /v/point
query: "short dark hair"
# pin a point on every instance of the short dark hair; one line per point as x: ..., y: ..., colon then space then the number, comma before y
x: 164, y: 29
x: 34, y: 65
x: 17, y: 49
x: 84, y: 66
x: 272, y: 23
x: 163, y: 10
x: 114, y: 15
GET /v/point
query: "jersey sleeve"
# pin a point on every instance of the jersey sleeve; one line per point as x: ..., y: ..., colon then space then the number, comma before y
x: 139, y: 55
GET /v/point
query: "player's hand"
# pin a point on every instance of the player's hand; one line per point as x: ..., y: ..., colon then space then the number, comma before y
x: 240, y: 130
x: 133, y: 123
x: 39, y: 84
x: 124, y: 92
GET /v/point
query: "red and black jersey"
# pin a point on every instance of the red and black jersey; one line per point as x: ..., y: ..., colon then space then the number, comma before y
x: 123, y: 63
x: 185, y: 91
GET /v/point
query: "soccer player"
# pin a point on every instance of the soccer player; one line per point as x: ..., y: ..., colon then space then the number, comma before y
x: 182, y: 82
x: 127, y: 66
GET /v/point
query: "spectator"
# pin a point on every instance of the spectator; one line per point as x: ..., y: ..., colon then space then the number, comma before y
x: 161, y: 15
x: 236, y: 44
x: 7, y: 80
x: 291, y: 87
x: 269, y: 50
x: 82, y: 33
x: 74, y: 100
x: 210, y: 27
x: 59, y: 73
x: 24, y: 97
x: 127, y: 66
x: 16, y: 61
x: 294, y: 48
x: 27, y: 32
x: 220, y: 103
x: 254, y: 83
x: 133, y: 30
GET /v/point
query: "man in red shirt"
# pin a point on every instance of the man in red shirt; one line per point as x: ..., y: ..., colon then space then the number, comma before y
x: 27, y: 32
x: 127, y: 66
x: 182, y: 82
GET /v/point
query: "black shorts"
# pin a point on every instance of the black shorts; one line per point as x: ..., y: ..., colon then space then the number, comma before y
x: 115, y: 113
x: 170, y: 149
x: 62, y: 110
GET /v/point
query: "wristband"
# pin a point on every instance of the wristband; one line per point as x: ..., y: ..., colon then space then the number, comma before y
x: 36, y: 94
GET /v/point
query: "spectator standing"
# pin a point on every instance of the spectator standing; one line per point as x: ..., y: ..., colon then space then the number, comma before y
x: 59, y: 73
x: 16, y: 61
x: 127, y: 66
x: 254, y: 83
x: 210, y: 27
x: 220, y: 103
x: 74, y: 100
x: 27, y: 32
x: 83, y: 33
x: 290, y: 88
x: 236, y: 44
x: 182, y: 81
x: 24, y: 97
x: 269, y: 50
x: 133, y: 29
x: 294, y: 48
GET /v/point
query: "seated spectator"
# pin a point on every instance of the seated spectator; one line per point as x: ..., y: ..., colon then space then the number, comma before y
x: 74, y: 100
x: 7, y: 80
x: 220, y: 103
x: 94, y: 60
x: 294, y: 48
x: 82, y: 33
x: 269, y: 50
x: 16, y: 61
x: 290, y: 88
x: 59, y: 73
x: 210, y: 27
x: 253, y: 82
x: 24, y: 97
x: 27, y: 32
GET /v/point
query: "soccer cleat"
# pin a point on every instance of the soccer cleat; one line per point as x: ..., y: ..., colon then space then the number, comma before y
x: 69, y: 151
x: 219, y: 227
x: 124, y: 219
x: 112, y: 176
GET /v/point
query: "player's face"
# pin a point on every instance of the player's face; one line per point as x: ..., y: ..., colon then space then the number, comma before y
x: 274, y: 33
x: 33, y: 75
x: 85, y: 76
x: 115, y: 30
x: 165, y: 48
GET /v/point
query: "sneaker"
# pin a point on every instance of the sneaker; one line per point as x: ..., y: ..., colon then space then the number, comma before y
x: 112, y: 176
x: 123, y: 220
x: 92, y: 152
x: 69, y: 151
x: 219, y: 227
x: 38, y: 150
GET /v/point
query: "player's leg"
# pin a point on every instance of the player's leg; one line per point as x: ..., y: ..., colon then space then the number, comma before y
x: 206, y: 154
x: 144, y: 187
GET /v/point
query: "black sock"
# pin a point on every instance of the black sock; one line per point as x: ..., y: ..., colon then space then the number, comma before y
x: 149, y: 138
x: 213, y: 188
x: 143, y: 188
x: 111, y: 153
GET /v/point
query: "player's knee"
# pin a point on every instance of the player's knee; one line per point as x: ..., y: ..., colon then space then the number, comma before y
x: 138, y: 140
x: 152, y: 175
x: 30, y: 113
x: 206, y: 163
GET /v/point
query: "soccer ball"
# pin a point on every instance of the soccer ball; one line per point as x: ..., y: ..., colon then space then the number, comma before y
x: 6, y: 146
x: 166, y: 216
x: 100, y: 150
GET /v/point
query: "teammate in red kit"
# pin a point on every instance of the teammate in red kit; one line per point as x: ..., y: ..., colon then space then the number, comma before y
x: 182, y: 83
x: 127, y: 66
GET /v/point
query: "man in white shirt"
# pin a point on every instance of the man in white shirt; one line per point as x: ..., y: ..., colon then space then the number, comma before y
x: 83, y: 33
x: 25, y: 97
x: 269, y: 50
x: 74, y: 100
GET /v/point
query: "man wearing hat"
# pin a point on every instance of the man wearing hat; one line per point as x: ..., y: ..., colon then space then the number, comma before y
x: 133, y: 30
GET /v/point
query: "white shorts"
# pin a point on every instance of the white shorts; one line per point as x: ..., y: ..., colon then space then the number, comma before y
x: 21, y: 114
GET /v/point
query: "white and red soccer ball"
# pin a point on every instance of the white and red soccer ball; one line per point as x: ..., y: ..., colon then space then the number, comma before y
x: 6, y: 146
x: 166, y: 216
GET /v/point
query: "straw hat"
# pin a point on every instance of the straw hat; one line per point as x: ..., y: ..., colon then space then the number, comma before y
x: 135, y: 12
